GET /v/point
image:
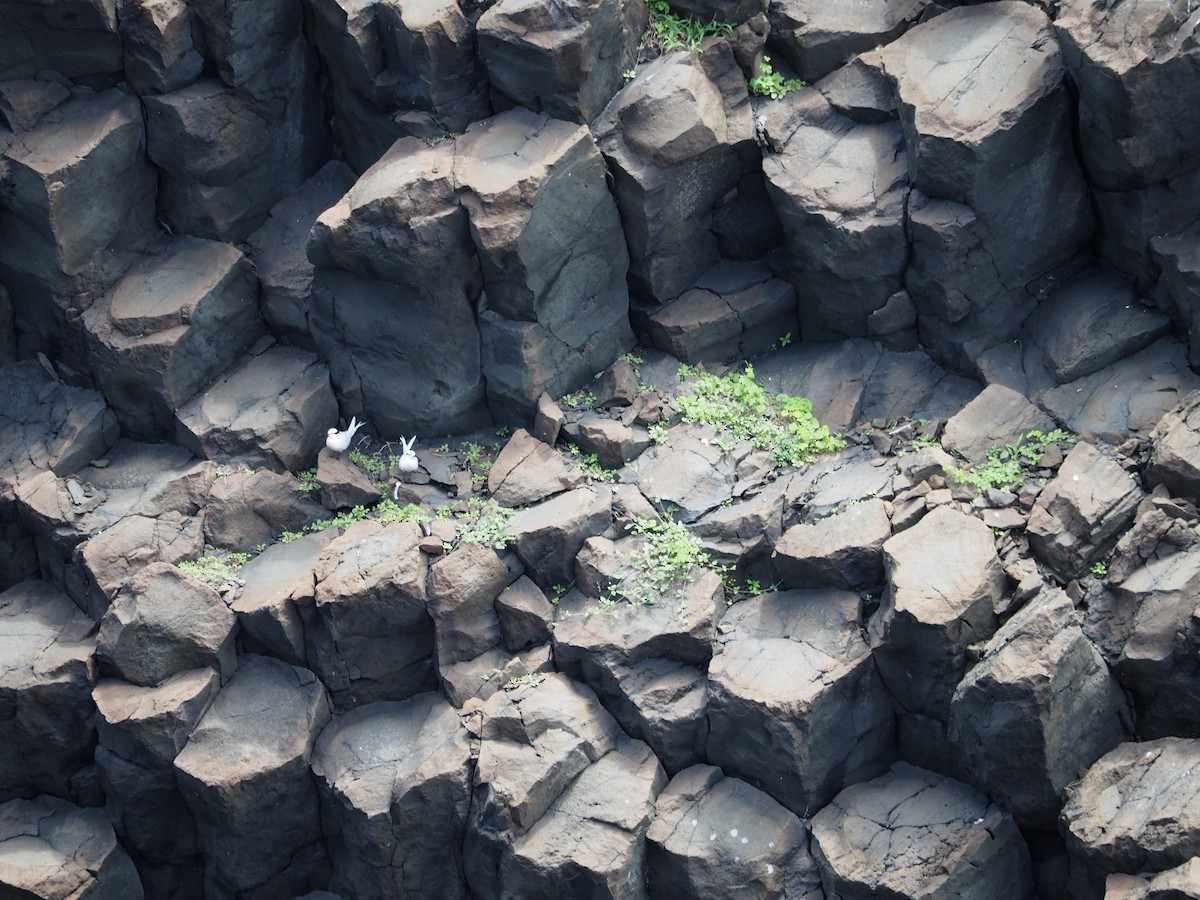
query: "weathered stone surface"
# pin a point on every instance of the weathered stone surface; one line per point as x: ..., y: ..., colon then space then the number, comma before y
x: 525, y: 178
x: 271, y: 410
x: 160, y: 45
x: 1037, y: 710
x: 826, y: 723
x: 1090, y: 323
x: 463, y: 586
x: 567, y: 61
x: 1179, y: 883
x: 744, y: 533
x: 688, y: 471
x: 734, y: 310
x: 245, y: 41
x: 46, y: 679
x: 399, y: 241
x: 613, y: 442
x: 677, y: 138
x: 245, y: 511
x: 1177, y: 292
x: 714, y: 837
x: 1159, y: 663
x: 912, y: 833
x: 1081, y: 513
x: 174, y: 322
x: 50, y: 848
x: 279, y: 596
x: 929, y: 616
x: 528, y: 470
x: 840, y: 188
x: 344, y: 484
x: 164, y: 623
x: 593, y: 836
x: 493, y: 670
x: 229, y: 154
x: 535, y: 740
x: 278, y: 251
x: 1136, y: 809
x: 245, y: 776
x: 1131, y: 395
x: 860, y: 90
x: 78, y: 194
x: 664, y: 703
x: 398, y: 70
x: 373, y: 638
x: 1175, y: 458
x: 78, y: 38
x: 841, y: 551
x: 998, y: 416
x: 524, y: 613
x: 979, y: 185
x: 837, y: 482
x: 817, y: 38
x: 548, y: 536
x: 395, y: 786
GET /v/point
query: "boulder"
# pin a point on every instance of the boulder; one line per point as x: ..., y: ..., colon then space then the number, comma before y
x: 1177, y: 291
x: 841, y: 551
x: 1135, y: 811
x: 1175, y: 454
x: 163, y: 45
x: 78, y: 39
x: 343, y: 483
x: 567, y: 62
x: 535, y: 739
x: 244, y: 43
x: 228, y: 154
x: 524, y: 613
x: 547, y: 536
x: 1036, y: 711
x: 860, y: 90
x: 744, y: 533
x: 912, y: 833
x: 278, y: 597
x: 245, y: 776
x: 795, y: 704
x: 979, y: 183
x: 677, y: 138
x: 840, y: 188
x: 163, y: 623
x: 373, y: 638
x: 1079, y: 516
x: 836, y: 483
x: 395, y: 786
x: 272, y: 409
x: 593, y: 836
x: 50, y: 848
x: 533, y: 185
x: 529, y: 470
x: 997, y: 417
x: 1158, y: 662
x: 463, y: 586
x: 46, y: 711
x: 493, y: 670
x: 714, y: 837
x: 1179, y: 883
x: 171, y: 325
x: 78, y: 199
x: 278, y: 251
x: 944, y: 584
x: 613, y: 442
x: 662, y: 702
x: 689, y: 471
x: 248, y: 510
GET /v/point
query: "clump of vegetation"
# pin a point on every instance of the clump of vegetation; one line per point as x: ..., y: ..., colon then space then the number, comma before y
x: 308, y: 481
x: 1006, y: 466
x: 371, y: 463
x: 1099, y: 569
x: 590, y: 463
x: 479, y: 521
x: 769, y: 83
x: 671, y: 31
x: 385, y: 511
x: 664, y: 565
x: 215, y: 569
x: 737, y: 404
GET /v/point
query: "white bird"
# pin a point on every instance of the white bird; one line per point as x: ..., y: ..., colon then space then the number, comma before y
x: 339, y: 441
x: 408, y: 459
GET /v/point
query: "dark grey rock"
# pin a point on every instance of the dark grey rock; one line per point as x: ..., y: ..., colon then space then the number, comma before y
x: 912, y: 833
x: 841, y: 551
x: 163, y: 623
x: 469, y: 683
x: 1179, y: 883
x: 689, y: 470
x: 373, y: 639
x: 1177, y: 291
x: 548, y: 536
x: 50, y: 848
x: 825, y: 724
x: 162, y: 44
x: 524, y: 613
x: 395, y: 785
x: 244, y: 43
x: 25, y: 101
x: 1135, y: 811
x: 245, y: 776
x: 860, y: 90
x: 272, y: 410
x: 345, y: 485
x: 996, y: 417
x: 246, y: 511
x: 1175, y: 455
x: 548, y: 420
x: 714, y: 837
x: 78, y: 39
x: 46, y: 711
x: 567, y: 61
x: 529, y: 470
x: 463, y: 587
x: 1037, y: 711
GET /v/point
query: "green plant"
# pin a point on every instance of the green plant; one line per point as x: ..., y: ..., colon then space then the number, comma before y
x: 308, y: 481
x: 479, y: 521
x: 388, y: 511
x: 769, y: 83
x: 590, y: 463
x: 371, y: 463
x: 671, y: 31
x: 214, y: 569
x: 739, y: 405
x: 579, y: 399
x: 736, y: 591
x: 657, y: 432
x: 1099, y: 569
x: 663, y: 565
x: 629, y: 74
x: 1005, y: 466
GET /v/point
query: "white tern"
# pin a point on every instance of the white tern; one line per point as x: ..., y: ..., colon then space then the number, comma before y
x: 339, y: 441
